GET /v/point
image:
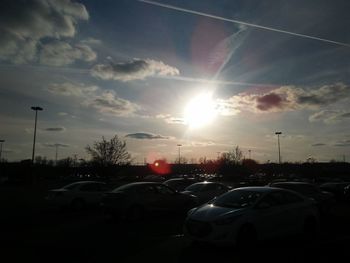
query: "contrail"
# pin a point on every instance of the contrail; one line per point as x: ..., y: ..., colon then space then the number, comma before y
x: 217, y: 82
x: 244, y: 23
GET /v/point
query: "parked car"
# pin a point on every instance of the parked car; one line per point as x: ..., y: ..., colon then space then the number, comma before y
x: 206, y: 191
x: 347, y: 193
x: 324, y: 200
x: 336, y: 188
x: 248, y: 214
x: 77, y: 195
x: 134, y: 200
x: 179, y: 184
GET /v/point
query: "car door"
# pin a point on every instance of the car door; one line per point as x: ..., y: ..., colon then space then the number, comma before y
x: 271, y: 216
x: 168, y: 199
x: 91, y: 193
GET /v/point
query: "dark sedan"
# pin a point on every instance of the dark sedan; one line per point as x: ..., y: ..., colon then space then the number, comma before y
x: 324, y: 200
x: 133, y: 201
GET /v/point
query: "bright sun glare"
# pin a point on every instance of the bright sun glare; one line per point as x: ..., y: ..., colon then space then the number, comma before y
x: 200, y: 111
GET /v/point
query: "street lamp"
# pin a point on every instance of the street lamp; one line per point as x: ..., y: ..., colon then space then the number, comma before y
x: 179, y: 145
x: 36, y: 109
x: 279, y: 149
x: 1, y: 142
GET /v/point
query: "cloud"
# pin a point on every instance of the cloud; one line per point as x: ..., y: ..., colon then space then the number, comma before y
x: 62, y: 114
x: 318, y: 144
x: 59, y: 53
x: 171, y: 120
x: 91, y: 41
x: 146, y: 136
x: 108, y: 102
x: 72, y: 89
x: 25, y: 27
x: 134, y: 69
x: 285, y: 98
x: 345, y: 143
x: 55, y: 129
x: 329, y: 116
x: 56, y: 145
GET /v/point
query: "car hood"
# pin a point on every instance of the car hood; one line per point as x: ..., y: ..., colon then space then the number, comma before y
x: 209, y: 212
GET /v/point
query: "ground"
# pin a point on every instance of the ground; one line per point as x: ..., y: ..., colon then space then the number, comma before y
x: 42, y: 234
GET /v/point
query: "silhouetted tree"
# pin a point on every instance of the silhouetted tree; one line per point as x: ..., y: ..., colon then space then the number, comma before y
x: 106, y: 153
x: 232, y: 157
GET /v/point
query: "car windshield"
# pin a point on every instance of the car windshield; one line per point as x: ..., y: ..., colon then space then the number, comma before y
x: 237, y: 199
x: 194, y: 187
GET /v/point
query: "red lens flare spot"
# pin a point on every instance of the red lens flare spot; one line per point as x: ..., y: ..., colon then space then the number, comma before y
x: 160, y: 167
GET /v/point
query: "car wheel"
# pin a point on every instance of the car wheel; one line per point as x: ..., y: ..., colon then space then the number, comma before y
x: 135, y: 213
x: 77, y: 204
x: 246, y: 238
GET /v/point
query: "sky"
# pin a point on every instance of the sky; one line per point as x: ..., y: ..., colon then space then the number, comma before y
x: 206, y: 75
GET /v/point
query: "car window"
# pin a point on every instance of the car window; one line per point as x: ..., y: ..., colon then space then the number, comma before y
x: 164, y: 190
x: 292, y: 198
x: 237, y: 199
x: 194, y: 187
x: 269, y: 200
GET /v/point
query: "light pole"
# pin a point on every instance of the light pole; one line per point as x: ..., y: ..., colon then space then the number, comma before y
x: 179, y: 145
x: 250, y: 156
x: 1, y: 142
x: 36, y: 109
x: 56, y: 154
x: 279, y: 149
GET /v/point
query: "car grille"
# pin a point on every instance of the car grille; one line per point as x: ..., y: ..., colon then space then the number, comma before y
x: 198, y: 228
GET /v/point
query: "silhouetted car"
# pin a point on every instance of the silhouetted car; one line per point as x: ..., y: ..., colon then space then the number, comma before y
x: 245, y: 215
x: 133, y: 201
x: 179, y: 184
x: 77, y: 195
x: 206, y: 191
x: 336, y: 188
x: 324, y: 200
x: 347, y: 193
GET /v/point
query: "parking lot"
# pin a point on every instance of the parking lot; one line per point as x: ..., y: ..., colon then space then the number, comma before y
x: 50, y: 235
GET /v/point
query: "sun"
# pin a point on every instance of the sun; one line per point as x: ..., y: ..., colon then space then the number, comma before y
x: 200, y: 111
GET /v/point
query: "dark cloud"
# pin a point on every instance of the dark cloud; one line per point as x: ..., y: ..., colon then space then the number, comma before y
x: 318, y: 144
x: 286, y: 98
x: 56, y: 145
x: 108, y: 102
x: 146, y: 136
x: 269, y: 101
x: 134, y: 69
x: 55, y: 129
x: 26, y: 28
x: 345, y: 143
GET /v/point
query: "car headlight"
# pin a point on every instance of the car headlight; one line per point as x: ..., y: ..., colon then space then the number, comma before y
x: 227, y: 220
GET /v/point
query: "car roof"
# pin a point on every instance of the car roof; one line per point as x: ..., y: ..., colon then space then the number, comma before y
x: 86, y: 182
x: 291, y: 183
x: 262, y: 189
x: 180, y: 179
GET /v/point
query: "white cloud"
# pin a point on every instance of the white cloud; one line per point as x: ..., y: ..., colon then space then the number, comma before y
x: 134, y: 69
x: 330, y: 116
x: 72, y: 89
x: 24, y: 26
x: 60, y: 53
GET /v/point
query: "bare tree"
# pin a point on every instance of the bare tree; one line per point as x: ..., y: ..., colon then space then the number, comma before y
x: 111, y: 152
x: 234, y: 156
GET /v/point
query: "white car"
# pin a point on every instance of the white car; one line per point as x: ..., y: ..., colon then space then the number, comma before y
x: 77, y: 195
x: 245, y: 215
x: 205, y: 191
